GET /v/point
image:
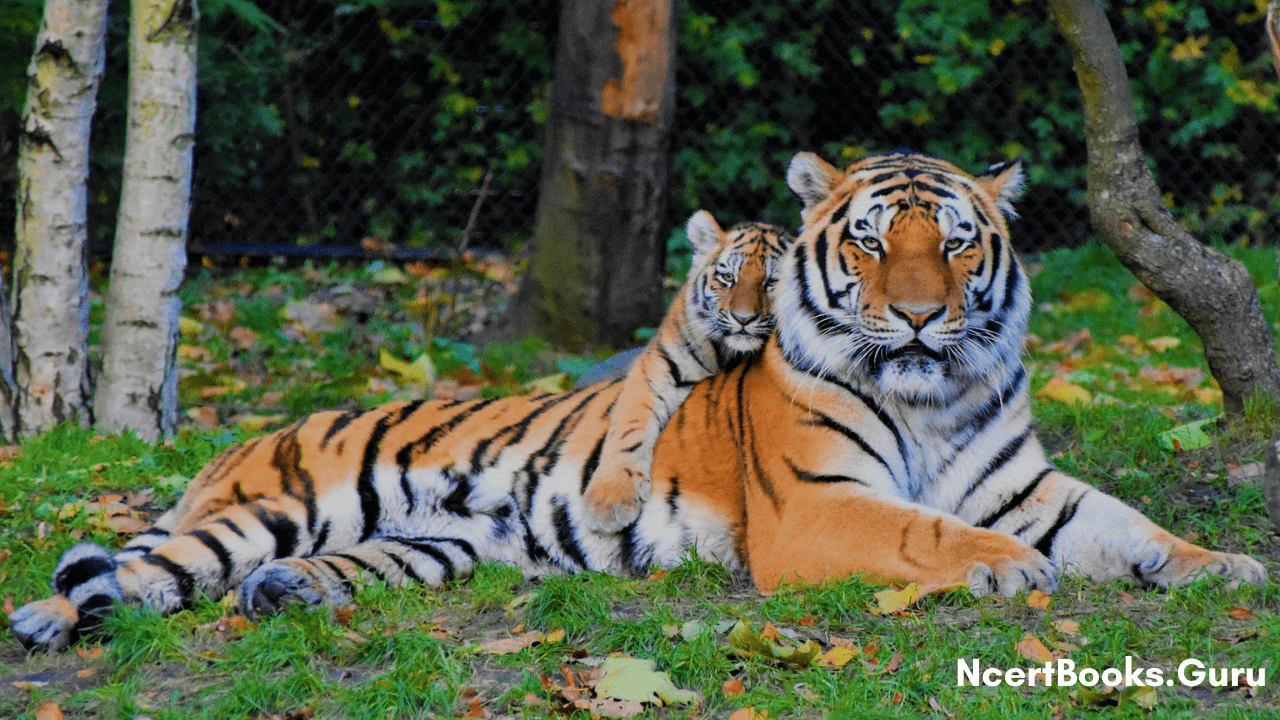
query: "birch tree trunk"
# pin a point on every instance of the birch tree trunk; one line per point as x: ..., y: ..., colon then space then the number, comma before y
x: 138, y: 389
x: 51, y: 303
x: 1213, y: 292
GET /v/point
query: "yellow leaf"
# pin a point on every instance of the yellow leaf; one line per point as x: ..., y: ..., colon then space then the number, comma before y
x: 892, y: 601
x: 1163, y: 344
x: 1067, y: 627
x: 555, y: 636
x: 1094, y: 299
x: 419, y: 372
x: 1037, y: 599
x: 839, y: 656
x: 189, y: 327
x: 1031, y: 648
x: 550, y: 383
x: 1144, y: 696
x: 1062, y: 391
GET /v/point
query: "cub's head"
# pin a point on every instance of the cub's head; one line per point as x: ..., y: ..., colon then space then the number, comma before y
x: 903, y: 280
x: 728, y: 292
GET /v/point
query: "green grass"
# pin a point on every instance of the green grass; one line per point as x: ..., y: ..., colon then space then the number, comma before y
x: 410, y: 652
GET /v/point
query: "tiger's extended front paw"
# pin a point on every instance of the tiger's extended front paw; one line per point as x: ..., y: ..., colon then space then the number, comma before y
x: 1180, y: 563
x: 615, y: 495
x: 281, y: 582
x: 1007, y: 576
x: 47, y: 625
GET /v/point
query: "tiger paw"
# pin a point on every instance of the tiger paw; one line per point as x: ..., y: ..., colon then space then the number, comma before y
x: 615, y: 495
x: 45, y: 625
x: 1007, y: 576
x: 282, y: 582
x: 1181, y: 562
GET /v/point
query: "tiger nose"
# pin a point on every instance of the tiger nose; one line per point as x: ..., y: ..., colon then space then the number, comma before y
x: 744, y: 317
x: 917, y: 317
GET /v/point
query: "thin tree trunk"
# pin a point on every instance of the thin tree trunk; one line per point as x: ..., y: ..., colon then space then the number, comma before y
x: 1211, y: 291
x: 596, y: 271
x: 139, y: 383
x: 51, y: 304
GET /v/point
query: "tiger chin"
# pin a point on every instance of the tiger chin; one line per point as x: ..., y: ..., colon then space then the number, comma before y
x: 885, y: 429
x: 721, y: 315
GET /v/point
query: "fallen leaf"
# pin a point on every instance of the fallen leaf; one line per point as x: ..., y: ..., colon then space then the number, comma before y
x: 749, y: 713
x: 89, y: 653
x: 733, y: 688
x: 1038, y: 600
x: 312, y: 317
x: 243, y: 336
x: 614, y: 708
x: 637, y: 679
x: 86, y: 672
x: 475, y: 710
x: 748, y: 643
x: 555, y: 636
x: 343, y: 615
x: 507, y: 645
x: 204, y: 416
x: 1240, y: 613
x: 1063, y: 391
x: 1067, y: 627
x: 839, y: 656
x: 419, y: 372
x: 1190, y: 436
x: 1094, y: 299
x: 49, y: 711
x: 692, y: 629
x: 1126, y: 597
x: 8, y: 605
x: 892, y: 666
x: 1183, y: 377
x: 127, y: 525
x: 1031, y: 648
x: 1163, y: 344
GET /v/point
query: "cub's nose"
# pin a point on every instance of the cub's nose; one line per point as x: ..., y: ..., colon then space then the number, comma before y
x: 918, y: 317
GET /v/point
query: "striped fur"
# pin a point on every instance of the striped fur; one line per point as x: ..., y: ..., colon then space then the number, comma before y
x: 722, y: 314
x: 885, y: 429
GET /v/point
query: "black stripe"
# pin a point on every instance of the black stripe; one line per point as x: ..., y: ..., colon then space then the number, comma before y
x: 1013, y: 502
x: 321, y: 537
x: 805, y: 476
x: 533, y: 548
x: 673, y: 496
x: 517, y: 430
x: 627, y: 548
x: 186, y: 583
x: 81, y: 571
x: 549, y: 453
x: 838, y: 214
x: 890, y: 189
x: 294, y: 480
x: 935, y: 189
x: 831, y: 424
x: 338, y: 573
x: 1010, y: 286
x: 362, y: 564
x: 564, y: 533
x: 593, y: 461
x: 467, y: 548
x: 339, y: 423
x: 232, y: 526
x: 405, y: 455
x: 404, y: 566
x: 673, y: 370
x: 820, y: 252
x: 281, y: 526
x: 424, y: 546
x: 456, y: 502
x: 216, y: 547
x: 997, y: 461
x: 1045, y: 543
x: 824, y: 323
x: 370, y: 503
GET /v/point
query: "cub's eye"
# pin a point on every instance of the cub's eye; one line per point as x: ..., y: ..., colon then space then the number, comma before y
x: 953, y: 244
x: 725, y: 279
x: 870, y: 244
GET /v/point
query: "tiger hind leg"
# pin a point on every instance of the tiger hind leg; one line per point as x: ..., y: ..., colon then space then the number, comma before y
x: 332, y: 579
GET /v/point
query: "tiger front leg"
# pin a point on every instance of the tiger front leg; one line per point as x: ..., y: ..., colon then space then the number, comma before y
x: 618, y: 489
x: 1089, y: 532
x: 332, y: 579
x: 837, y: 531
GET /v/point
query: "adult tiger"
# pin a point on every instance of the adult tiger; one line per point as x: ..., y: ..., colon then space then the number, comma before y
x: 885, y: 429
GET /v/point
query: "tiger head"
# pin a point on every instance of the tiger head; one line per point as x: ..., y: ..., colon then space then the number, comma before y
x: 733, y: 274
x: 903, y: 280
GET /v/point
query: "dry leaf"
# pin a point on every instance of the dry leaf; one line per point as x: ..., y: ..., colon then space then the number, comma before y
x: 89, y: 653
x: 475, y: 710
x: 1067, y: 627
x: 1038, y: 600
x: 342, y: 615
x: 839, y: 656
x: 127, y: 524
x: 1126, y: 597
x: 554, y: 636
x: 733, y: 688
x: 1063, y: 391
x: 1031, y: 648
x: 49, y: 711
x: 1239, y: 613
x: 749, y: 713
x: 204, y: 416
x: 87, y: 672
x: 8, y: 605
x: 508, y: 645
x: 243, y: 336
x: 614, y: 708
x: 894, y: 662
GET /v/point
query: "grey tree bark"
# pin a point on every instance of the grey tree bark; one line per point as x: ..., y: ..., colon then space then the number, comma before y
x: 596, y: 271
x: 51, y: 304
x: 138, y: 389
x: 1211, y: 291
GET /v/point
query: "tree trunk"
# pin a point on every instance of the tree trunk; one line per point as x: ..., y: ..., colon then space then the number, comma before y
x: 51, y: 303
x: 1212, y: 292
x: 138, y: 389
x: 599, y: 250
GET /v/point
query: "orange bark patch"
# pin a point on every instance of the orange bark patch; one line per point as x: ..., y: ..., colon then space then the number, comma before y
x: 643, y: 46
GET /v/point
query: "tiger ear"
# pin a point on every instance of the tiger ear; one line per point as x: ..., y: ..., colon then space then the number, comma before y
x: 1003, y: 182
x: 704, y: 233
x: 811, y: 178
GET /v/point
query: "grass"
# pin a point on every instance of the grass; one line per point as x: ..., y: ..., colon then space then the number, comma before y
x: 410, y: 652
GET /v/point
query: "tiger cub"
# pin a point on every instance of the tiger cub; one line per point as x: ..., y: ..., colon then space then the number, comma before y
x: 722, y: 312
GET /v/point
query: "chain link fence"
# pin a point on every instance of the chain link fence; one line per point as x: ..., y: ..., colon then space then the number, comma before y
x: 376, y: 125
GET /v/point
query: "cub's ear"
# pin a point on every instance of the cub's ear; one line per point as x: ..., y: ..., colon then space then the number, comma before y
x: 1003, y: 182
x: 704, y: 233
x: 811, y: 178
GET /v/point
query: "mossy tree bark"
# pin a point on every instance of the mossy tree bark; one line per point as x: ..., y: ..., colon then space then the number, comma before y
x: 1212, y: 291
x: 51, y: 288
x: 138, y: 389
x: 599, y: 250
